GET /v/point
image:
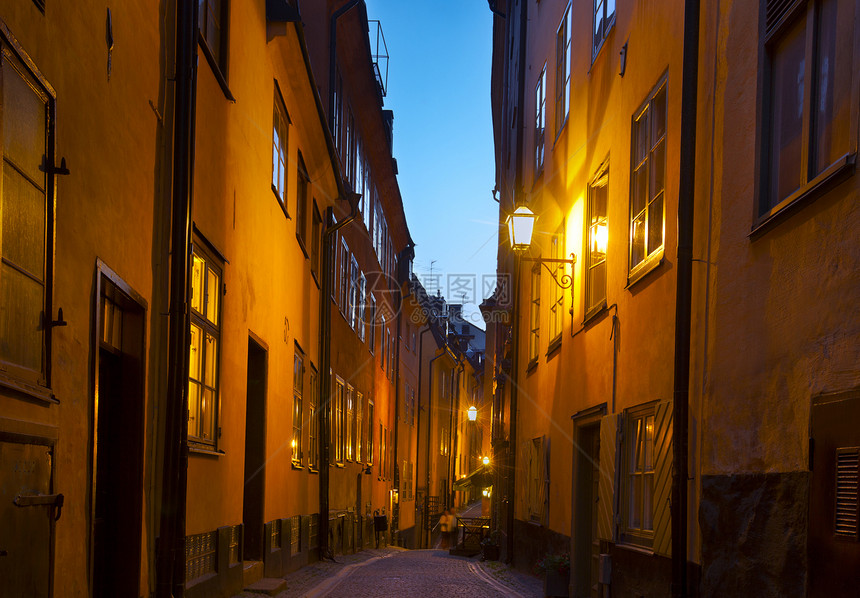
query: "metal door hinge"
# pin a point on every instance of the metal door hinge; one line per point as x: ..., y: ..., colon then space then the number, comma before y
x: 55, y: 501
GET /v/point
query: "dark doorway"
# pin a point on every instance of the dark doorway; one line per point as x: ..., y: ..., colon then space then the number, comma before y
x: 834, y: 529
x: 255, y: 453
x: 118, y: 421
x: 586, y: 546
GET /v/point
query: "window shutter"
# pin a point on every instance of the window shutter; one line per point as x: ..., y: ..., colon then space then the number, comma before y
x: 663, y: 479
x: 775, y: 12
x: 606, y: 528
x: 523, y: 484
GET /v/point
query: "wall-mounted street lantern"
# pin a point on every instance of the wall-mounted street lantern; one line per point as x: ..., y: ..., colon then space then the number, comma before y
x: 486, y: 460
x: 521, y: 223
x: 473, y: 413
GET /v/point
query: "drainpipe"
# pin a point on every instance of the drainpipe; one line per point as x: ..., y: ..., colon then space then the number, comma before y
x: 332, y: 57
x: 518, y: 185
x: 684, y: 298
x: 170, y: 548
x: 418, y: 432
x: 325, y: 366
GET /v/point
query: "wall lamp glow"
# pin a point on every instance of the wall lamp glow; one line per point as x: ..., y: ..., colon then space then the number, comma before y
x: 521, y: 224
x: 473, y: 413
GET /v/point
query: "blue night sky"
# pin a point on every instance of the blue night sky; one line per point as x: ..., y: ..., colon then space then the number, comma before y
x: 439, y: 89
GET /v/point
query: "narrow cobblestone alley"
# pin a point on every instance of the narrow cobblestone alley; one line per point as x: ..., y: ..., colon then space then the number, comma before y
x: 397, y: 572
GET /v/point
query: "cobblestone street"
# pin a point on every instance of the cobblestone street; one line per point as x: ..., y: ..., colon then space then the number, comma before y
x: 398, y: 572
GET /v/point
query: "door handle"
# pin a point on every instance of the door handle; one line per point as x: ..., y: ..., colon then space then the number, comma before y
x: 55, y: 501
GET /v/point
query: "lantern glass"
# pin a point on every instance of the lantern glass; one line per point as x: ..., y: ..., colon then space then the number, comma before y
x: 521, y: 225
x: 473, y: 413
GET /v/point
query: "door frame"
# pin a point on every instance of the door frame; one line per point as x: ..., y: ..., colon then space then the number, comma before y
x: 103, y: 274
x: 585, y: 418
x: 263, y: 347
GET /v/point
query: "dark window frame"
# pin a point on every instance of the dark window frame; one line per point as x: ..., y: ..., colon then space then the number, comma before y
x: 281, y: 150
x: 216, y: 57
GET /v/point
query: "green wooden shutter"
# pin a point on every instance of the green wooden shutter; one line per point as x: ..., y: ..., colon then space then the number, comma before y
x: 663, y: 479
x: 606, y: 528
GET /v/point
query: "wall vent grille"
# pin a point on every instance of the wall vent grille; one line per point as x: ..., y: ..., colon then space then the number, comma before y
x: 847, y: 492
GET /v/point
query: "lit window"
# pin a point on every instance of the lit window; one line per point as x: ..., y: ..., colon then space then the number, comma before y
x: 280, y: 145
x: 604, y: 19
x: 298, y: 391
x: 313, y: 425
x: 204, y: 349
x: 370, y: 431
x: 349, y: 427
x: 640, y: 472
x: 359, y: 426
x: 540, y: 119
x: 648, y: 180
x: 597, y: 238
x: 562, y: 71
x: 337, y: 420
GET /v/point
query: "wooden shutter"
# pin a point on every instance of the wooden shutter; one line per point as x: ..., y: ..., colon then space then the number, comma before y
x: 606, y: 510
x: 663, y: 479
x: 776, y: 11
x: 545, y: 502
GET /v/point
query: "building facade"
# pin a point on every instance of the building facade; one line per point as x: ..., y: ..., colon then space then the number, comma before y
x: 686, y: 161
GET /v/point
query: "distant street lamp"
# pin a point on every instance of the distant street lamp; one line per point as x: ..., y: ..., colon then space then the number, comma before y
x: 486, y: 460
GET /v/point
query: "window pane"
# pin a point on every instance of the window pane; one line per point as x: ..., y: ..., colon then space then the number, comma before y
x: 198, y: 266
x: 647, y: 507
x: 193, y: 409
x: 658, y: 115
x: 634, y: 520
x: 642, y: 143
x: 21, y: 311
x: 211, y: 360
x: 212, y: 295
x: 207, y: 408
x: 658, y: 168
x: 23, y: 124
x: 833, y: 70
x: 787, y: 113
x: 196, y: 356
x: 23, y: 223
x: 655, y: 224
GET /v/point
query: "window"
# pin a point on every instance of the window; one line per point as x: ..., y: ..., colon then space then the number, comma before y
x: 302, y: 188
x: 540, y: 119
x: 369, y: 431
x: 556, y: 307
x: 534, y: 315
x: 383, y: 443
x: 316, y: 237
x: 648, y: 181
x: 345, y: 277
x: 390, y: 371
x: 313, y: 427
x: 298, y: 391
x: 337, y: 428
x: 26, y: 223
x: 349, y: 146
x: 808, y: 110
x: 349, y: 426
x: 212, y: 22
x: 359, y: 426
x: 596, y: 241
x: 384, y: 349
x: 562, y: 71
x: 371, y: 319
x: 280, y: 145
x: 337, y: 117
x: 639, y: 519
x: 205, y: 348
x: 604, y: 19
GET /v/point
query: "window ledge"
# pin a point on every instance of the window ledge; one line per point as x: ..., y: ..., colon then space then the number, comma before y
x: 201, y: 450
x: 532, y: 365
x: 646, y: 267
x: 280, y: 203
x: 313, y: 470
x: 554, y: 346
x: 301, y: 242
x: 840, y: 170
x: 41, y: 394
x: 216, y: 69
x: 628, y: 545
x: 594, y: 313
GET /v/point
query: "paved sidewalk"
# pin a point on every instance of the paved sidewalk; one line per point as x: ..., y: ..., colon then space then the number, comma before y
x: 396, y: 571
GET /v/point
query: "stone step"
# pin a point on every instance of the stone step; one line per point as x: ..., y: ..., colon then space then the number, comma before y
x: 270, y: 586
x: 252, y: 572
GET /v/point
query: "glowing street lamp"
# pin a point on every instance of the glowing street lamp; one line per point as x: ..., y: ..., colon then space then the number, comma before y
x: 473, y: 413
x: 486, y: 460
x: 521, y: 224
